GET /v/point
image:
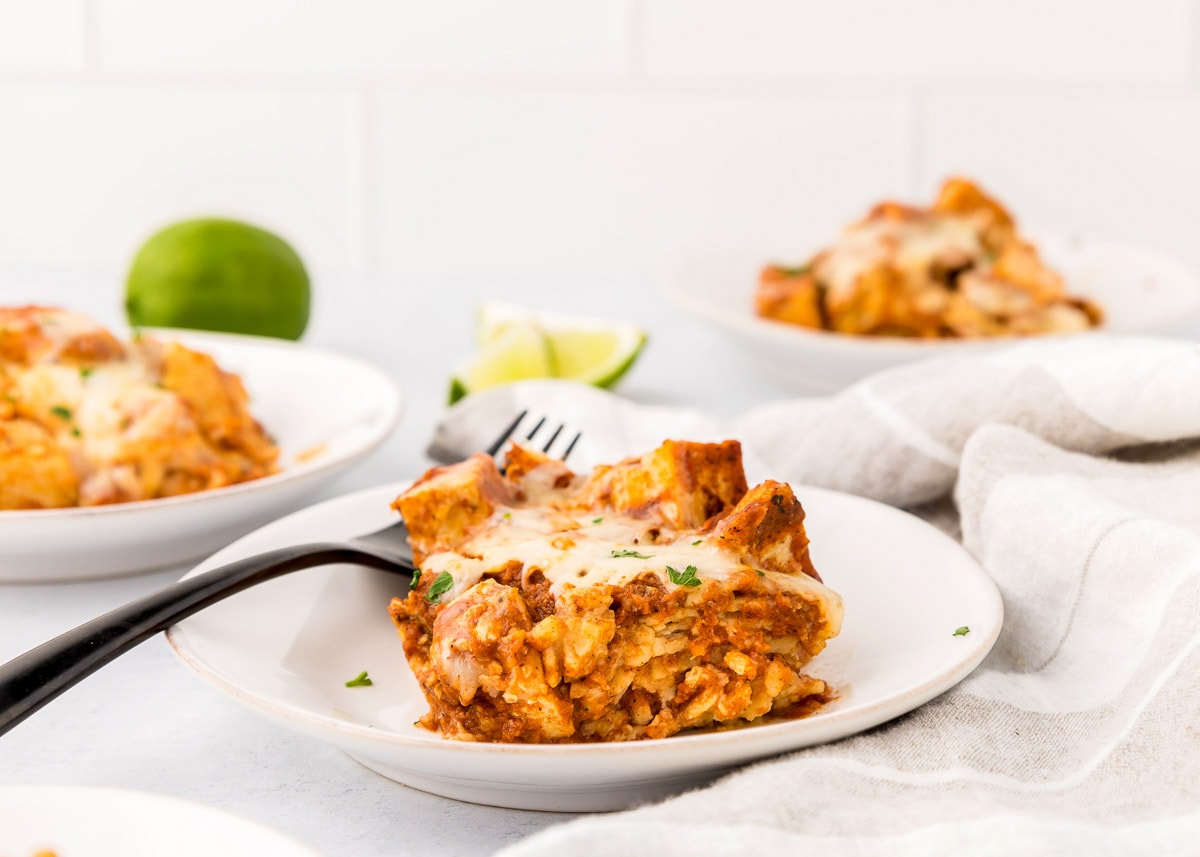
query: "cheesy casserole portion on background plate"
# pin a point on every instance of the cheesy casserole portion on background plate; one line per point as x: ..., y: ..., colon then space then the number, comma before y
x: 652, y: 596
x: 957, y: 269
x: 89, y: 420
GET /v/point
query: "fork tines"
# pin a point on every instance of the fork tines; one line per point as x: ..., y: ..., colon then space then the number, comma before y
x: 532, y: 433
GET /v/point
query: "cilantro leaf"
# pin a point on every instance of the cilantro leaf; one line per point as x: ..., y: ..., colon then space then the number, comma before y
x: 442, y: 583
x: 360, y: 680
x: 962, y: 631
x: 597, y: 520
x: 61, y: 412
x: 696, y: 542
x: 416, y: 577
x: 687, y: 577
x: 633, y: 554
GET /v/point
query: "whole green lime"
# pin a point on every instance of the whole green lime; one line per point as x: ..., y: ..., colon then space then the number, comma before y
x: 217, y: 274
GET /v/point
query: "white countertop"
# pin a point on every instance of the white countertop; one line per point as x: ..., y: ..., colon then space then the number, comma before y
x: 145, y: 722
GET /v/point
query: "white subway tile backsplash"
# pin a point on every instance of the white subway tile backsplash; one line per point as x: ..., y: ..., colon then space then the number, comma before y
x: 529, y: 138
x: 1115, y: 168
x: 87, y: 172
x: 622, y: 183
x: 41, y: 35
x: 884, y: 40
x: 570, y: 38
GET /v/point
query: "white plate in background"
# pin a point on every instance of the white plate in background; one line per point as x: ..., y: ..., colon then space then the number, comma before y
x: 907, y: 587
x: 324, y: 410
x: 79, y: 821
x: 1139, y: 290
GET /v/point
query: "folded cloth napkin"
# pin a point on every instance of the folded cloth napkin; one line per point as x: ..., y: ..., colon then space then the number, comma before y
x: 1073, y: 467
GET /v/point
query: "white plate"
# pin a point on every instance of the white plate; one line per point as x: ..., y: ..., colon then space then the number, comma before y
x: 1140, y: 291
x: 907, y: 587
x: 325, y: 410
x: 76, y: 821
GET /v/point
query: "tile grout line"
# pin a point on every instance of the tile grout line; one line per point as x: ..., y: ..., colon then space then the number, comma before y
x: 1193, y: 59
x: 637, y: 59
x: 634, y: 82
x: 91, y: 41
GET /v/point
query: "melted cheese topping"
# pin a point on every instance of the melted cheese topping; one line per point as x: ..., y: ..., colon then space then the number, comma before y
x: 580, y: 552
x: 62, y: 328
x: 102, y: 404
x: 910, y: 244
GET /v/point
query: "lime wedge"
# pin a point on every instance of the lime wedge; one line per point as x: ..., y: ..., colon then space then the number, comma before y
x: 597, y: 356
x: 589, y: 350
x: 519, y: 351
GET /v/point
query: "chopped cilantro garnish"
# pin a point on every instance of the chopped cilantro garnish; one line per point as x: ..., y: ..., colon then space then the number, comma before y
x: 792, y: 271
x: 442, y: 583
x: 760, y: 572
x: 962, y: 631
x: 360, y: 680
x: 633, y: 554
x: 597, y: 520
x: 61, y: 412
x: 696, y: 542
x: 507, y: 515
x: 687, y: 577
x: 85, y: 371
x: 75, y: 432
x: 416, y: 577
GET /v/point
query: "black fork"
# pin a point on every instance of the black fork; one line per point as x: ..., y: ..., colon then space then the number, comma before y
x: 31, y: 680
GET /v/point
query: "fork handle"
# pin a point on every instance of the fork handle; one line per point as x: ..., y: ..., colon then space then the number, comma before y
x: 29, y: 681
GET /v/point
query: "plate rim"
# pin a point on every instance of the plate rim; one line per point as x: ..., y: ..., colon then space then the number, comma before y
x: 837, y: 724
x: 201, y: 810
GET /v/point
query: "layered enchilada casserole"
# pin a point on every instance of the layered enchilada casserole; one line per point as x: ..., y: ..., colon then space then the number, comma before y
x: 956, y: 269
x: 656, y: 595
x: 87, y: 419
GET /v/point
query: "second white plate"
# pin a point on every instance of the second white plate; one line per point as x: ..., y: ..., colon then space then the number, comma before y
x: 1140, y: 290
x: 325, y: 410
x: 286, y: 649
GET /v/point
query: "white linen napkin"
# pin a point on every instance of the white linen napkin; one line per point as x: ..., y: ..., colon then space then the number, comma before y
x: 1074, y: 468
